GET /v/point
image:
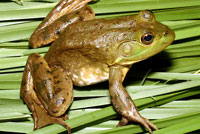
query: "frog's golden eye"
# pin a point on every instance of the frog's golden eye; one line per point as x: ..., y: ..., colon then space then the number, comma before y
x: 147, y: 38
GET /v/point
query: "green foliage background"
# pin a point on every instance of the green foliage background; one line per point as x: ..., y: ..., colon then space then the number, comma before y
x: 165, y: 87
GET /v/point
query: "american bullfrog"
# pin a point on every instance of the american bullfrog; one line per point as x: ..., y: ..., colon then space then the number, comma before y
x: 86, y: 51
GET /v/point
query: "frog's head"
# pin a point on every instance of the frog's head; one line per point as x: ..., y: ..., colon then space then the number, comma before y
x: 149, y: 38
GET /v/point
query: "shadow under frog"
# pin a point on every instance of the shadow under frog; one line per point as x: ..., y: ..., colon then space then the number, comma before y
x: 87, y: 51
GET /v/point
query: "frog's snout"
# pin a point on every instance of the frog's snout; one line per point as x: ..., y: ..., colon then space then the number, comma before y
x: 168, y: 35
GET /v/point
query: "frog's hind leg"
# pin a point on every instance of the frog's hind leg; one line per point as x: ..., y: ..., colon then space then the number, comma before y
x: 62, y: 8
x: 46, y: 91
x: 64, y: 14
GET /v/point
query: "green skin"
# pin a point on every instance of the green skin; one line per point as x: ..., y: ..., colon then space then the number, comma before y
x: 84, y: 52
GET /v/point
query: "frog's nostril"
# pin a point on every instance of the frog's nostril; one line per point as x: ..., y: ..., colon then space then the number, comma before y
x: 165, y: 33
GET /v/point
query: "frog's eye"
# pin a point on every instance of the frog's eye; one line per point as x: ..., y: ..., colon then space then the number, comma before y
x: 147, y: 38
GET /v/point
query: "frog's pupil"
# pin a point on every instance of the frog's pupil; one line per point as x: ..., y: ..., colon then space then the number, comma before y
x: 148, y: 37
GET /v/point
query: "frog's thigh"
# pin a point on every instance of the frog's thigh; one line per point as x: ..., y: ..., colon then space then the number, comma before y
x: 46, y: 91
x: 53, y: 86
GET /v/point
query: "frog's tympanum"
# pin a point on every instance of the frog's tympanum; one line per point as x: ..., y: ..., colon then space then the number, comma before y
x: 86, y: 51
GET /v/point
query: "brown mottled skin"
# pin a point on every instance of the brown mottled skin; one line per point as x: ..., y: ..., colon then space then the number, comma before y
x: 86, y: 51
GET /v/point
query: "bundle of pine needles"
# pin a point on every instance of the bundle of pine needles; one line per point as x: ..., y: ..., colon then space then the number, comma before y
x: 165, y: 87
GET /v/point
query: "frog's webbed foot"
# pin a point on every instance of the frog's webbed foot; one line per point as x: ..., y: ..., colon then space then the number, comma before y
x: 42, y: 118
x: 40, y: 115
x: 138, y: 119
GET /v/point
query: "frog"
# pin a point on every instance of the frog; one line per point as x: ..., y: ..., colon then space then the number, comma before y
x: 85, y: 51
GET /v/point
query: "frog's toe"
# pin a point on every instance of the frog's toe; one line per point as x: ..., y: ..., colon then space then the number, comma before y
x: 151, y: 124
x: 65, y: 117
x: 138, y: 119
x: 52, y: 120
x: 146, y: 123
x: 122, y: 122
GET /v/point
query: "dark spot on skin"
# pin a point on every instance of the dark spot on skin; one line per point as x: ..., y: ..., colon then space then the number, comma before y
x: 90, y: 11
x: 49, y: 96
x: 22, y: 96
x: 64, y: 20
x: 82, y: 18
x: 41, y: 63
x: 125, y: 35
x: 145, y: 16
x: 55, y: 77
x: 67, y: 93
x: 165, y: 33
x: 57, y: 82
x: 117, y: 108
x: 77, y: 13
x: 30, y: 103
x: 39, y: 86
x: 23, y: 82
x: 26, y: 91
x: 48, y: 71
x: 131, y: 23
x: 57, y: 31
x: 46, y: 37
x: 59, y: 101
x: 38, y: 78
x: 36, y: 66
x: 106, y: 49
x: 115, y: 96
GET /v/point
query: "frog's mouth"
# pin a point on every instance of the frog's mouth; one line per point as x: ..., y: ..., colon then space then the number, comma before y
x: 144, y: 52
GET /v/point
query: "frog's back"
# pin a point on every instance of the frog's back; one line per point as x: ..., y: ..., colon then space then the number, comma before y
x: 97, y: 45
x: 102, y: 24
x: 99, y: 34
x: 86, y: 55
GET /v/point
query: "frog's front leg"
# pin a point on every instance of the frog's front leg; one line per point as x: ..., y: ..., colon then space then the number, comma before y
x: 47, y: 92
x: 122, y: 101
